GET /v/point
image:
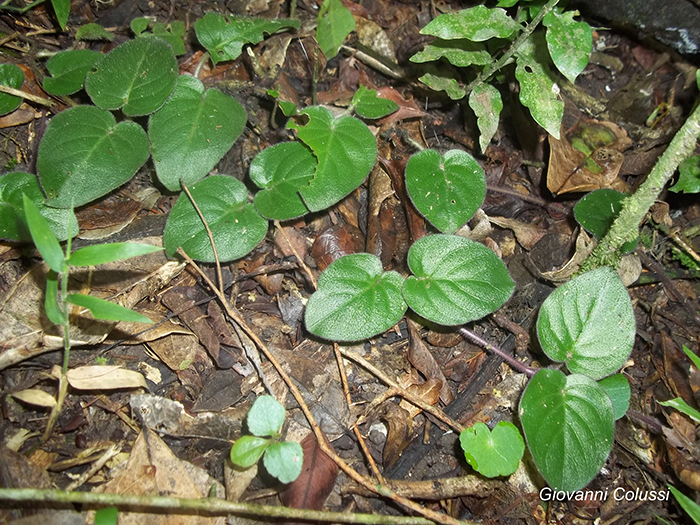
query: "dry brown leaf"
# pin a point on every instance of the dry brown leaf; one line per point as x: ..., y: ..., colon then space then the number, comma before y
x: 95, y: 377
x: 36, y: 397
x: 527, y: 234
x: 428, y: 391
x: 399, y: 432
x: 420, y: 357
x: 336, y: 241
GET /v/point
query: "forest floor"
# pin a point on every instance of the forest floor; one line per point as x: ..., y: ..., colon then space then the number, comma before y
x: 200, y: 385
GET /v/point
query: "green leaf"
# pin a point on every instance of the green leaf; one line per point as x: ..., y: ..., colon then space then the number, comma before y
x: 692, y: 356
x: 53, y: 309
x: 449, y: 85
x: 139, y: 25
x: 368, y: 105
x: 687, y: 504
x: 106, y: 310
x: 236, y: 226
x: 173, y: 33
x: 68, y: 70
x: 493, y: 453
x: 62, y: 10
x: 346, y: 151
x: 455, y: 280
x: 10, y: 76
x: 618, y: 389
x: 44, y: 240
x: 107, y: 516
x: 266, y: 417
x: 13, y: 224
x: 682, y: 407
x: 460, y: 53
x: 476, y: 23
x: 93, y: 32
x: 284, y: 460
x: 569, y: 42
x: 597, y: 211
x: 538, y: 91
x: 138, y: 76
x: 568, y: 423
x: 485, y: 101
x: 689, y: 176
x: 281, y: 171
x: 355, y: 300
x: 106, y: 253
x: 334, y: 23
x: 246, y: 451
x: 588, y: 323
x: 225, y: 36
x: 192, y: 132
x: 446, y: 189
x: 85, y: 154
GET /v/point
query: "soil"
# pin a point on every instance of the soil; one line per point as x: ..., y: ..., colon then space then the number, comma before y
x: 197, y: 366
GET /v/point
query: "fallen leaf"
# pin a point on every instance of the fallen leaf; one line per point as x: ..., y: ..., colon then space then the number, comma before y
x: 336, y: 241
x: 419, y: 356
x: 528, y: 234
x: 95, y: 377
x: 36, y: 397
x: 399, y: 432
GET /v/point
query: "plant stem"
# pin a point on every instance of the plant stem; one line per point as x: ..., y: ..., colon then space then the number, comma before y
x: 635, y: 207
x: 27, y: 96
x: 203, y: 506
x: 483, y: 343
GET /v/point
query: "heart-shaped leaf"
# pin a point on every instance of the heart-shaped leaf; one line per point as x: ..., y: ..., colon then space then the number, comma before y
x: 485, y: 101
x: 346, y: 151
x: 334, y: 23
x: 192, y: 131
x: 284, y: 460
x: 493, y: 453
x: 10, y: 76
x: 85, y: 154
x: 538, y: 92
x: 355, y: 300
x: 446, y: 189
x: 282, y: 170
x: 13, y: 225
x: 265, y: 417
x: 588, y: 323
x: 225, y: 36
x: 619, y: 392
x: 138, y: 76
x: 476, y: 23
x: 68, y: 70
x: 568, y: 423
x: 455, y: 280
x: 569, y: 42
x: 369, y: 105
x: 236, y: 226
x: 597, y: 211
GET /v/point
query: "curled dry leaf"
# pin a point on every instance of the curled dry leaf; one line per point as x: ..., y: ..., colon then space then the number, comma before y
x: 399, y: 432
x: 96, y: 377
x: 526, y: 233
x: 428, y: 391
x: 335, y: 242
x: 317, y: 478
x: 36, y: 397
x: 420, y: 357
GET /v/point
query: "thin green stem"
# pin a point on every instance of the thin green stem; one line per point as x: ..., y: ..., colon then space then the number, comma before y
x: 20, y: 10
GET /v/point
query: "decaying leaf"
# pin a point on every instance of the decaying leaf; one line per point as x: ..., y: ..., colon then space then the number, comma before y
x: 36, y: 397
x: 420, y: 357
x: 95, y: 377
x: 399, y: 432
x: 527, y: 233
x: 428, y: 391
x: 587, y: 157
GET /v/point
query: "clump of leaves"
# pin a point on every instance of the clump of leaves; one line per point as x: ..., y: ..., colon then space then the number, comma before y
x: 282, y: 459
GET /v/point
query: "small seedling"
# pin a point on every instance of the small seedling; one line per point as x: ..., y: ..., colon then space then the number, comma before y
x: 335, y: 22
x: 282, y: 459
x: 493, y: 453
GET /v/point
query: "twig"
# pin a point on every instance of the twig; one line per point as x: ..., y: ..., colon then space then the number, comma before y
x: 394, y: 72
x: 109, y: 454
x: 203, y: 506
x: 27, y: 96
x: 483, y: 343
x: 306, y: 269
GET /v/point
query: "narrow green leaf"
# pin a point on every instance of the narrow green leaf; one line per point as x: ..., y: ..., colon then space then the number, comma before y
x: 107, y: 516
x: 62, y: 10
x: 106, y: 310
x: 346, y: 151
x: 569, y: 42
x: 246, y: 451
x: 588, y: 323
x: 44, y: 240
x: 355, y: 300
x: 682, y: 407
x: 68, y: 70
x: 439, y: 82
x: 618, y: 389
x: 236, y: 227
x: 334, y: 23
x: 538, y: 91
x: 13, y: 224
x: 281, y: 171
x: 138, y: 76
x: 93, y: 32
x: 284, y: 460
x: 51, y: 304
x: 687, y: 504
x: 10, y: 76
x: 106, y: 253
x: 447, y: 189
x: 597, y: 211
x: 689, y: 176
x: 85, y: 154
x: 485, y: 101
x: 459, y: 53
x: 493, y: 453
x: 192, y: 132
x: 476, y: 23
x: 266, y: 417
x: 455, y: 280
x: 568, y: 423
x: 368, y: 105
x: 225, y: 36
x: 692, y: 356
